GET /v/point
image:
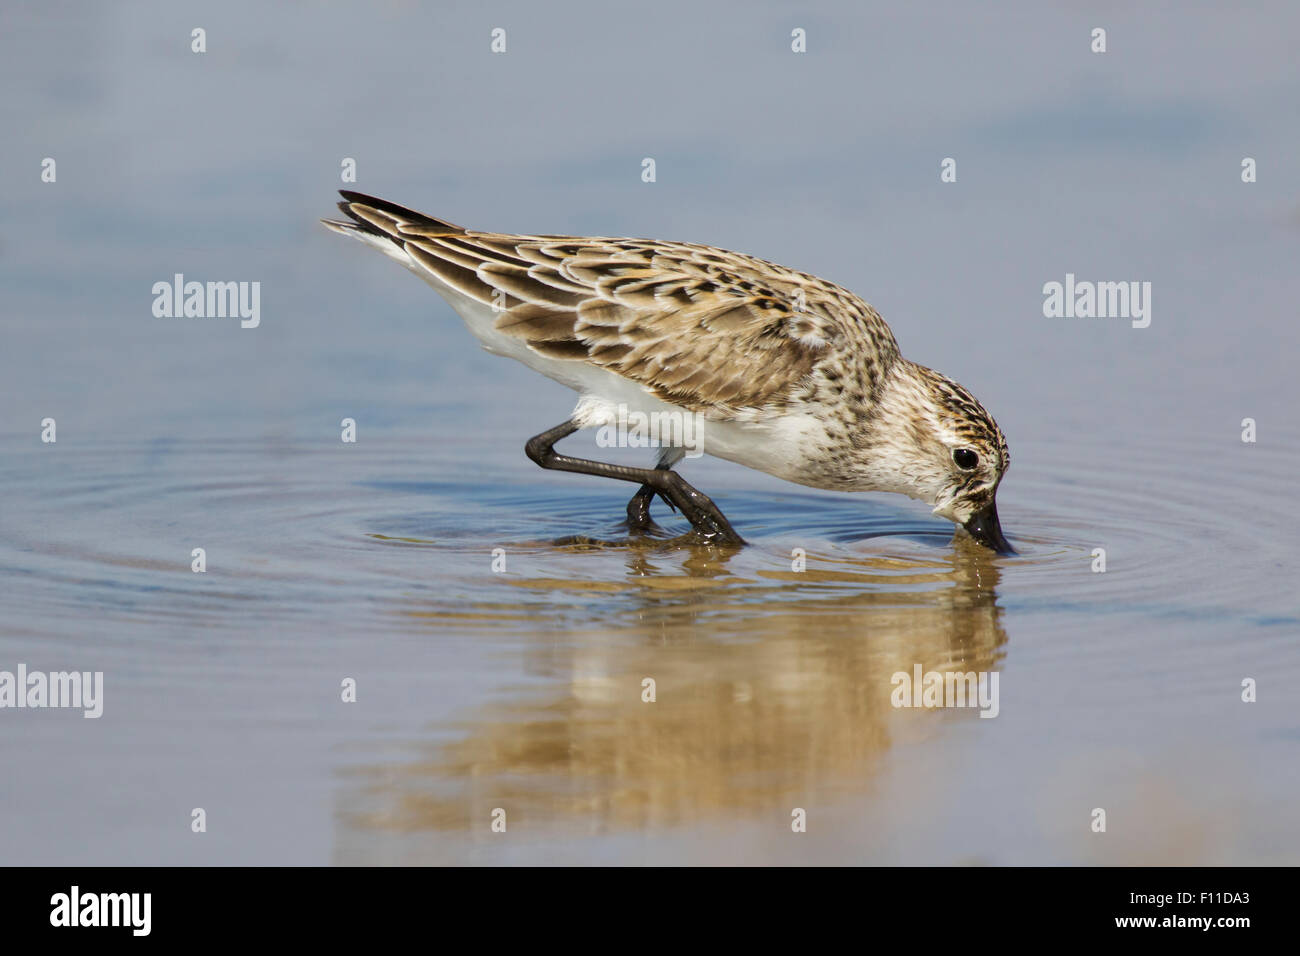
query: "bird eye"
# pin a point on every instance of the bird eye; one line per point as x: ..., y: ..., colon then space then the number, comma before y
x: 965, y: 458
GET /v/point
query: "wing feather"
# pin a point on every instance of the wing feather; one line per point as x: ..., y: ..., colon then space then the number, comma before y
x: 697, y: 326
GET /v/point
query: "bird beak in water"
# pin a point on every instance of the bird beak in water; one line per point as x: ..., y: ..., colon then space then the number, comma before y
x: 984, y: 527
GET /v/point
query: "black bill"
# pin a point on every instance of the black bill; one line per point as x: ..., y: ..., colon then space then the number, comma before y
x: 984, y: 527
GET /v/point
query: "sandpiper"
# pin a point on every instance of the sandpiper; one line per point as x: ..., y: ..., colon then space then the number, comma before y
x: 790, y: 374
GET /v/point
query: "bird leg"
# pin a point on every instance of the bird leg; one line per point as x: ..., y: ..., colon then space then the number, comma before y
x: 709, y: 523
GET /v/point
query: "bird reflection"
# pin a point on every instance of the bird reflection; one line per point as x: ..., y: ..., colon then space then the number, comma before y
x: 769, y: 687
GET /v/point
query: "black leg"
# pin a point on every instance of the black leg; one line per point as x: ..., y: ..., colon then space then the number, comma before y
x: 702, y: 513
x: 638, y: 509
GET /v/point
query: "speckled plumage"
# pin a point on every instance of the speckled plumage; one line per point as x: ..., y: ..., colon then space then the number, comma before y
x: 792, y: 374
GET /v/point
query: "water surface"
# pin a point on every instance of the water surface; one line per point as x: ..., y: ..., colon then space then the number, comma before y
x: 521, y: 688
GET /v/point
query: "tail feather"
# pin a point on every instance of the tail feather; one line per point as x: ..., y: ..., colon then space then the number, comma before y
x: 371, y: 214
x: 389, y: 227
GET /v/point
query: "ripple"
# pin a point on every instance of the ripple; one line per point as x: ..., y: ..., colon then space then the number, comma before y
x: 298, y: 531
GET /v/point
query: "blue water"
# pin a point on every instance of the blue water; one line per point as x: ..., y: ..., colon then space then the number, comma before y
x: 521, y: 688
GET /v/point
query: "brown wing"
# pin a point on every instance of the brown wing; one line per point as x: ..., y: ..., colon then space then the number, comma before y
x: 700, y: 327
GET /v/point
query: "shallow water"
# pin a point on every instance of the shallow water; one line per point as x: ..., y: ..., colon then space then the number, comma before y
x: 521, y: 688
